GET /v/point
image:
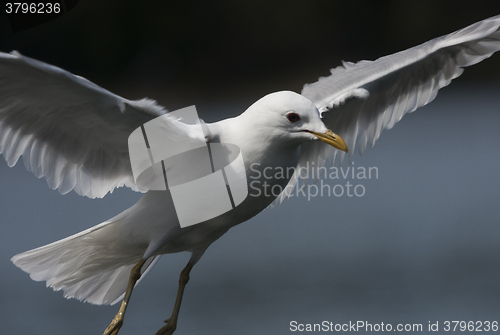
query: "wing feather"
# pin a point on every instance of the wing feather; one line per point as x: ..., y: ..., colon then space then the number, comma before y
x: 67, y: 129
x: 396, y: 84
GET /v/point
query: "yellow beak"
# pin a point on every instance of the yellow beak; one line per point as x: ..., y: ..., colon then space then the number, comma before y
x: 331, y: 138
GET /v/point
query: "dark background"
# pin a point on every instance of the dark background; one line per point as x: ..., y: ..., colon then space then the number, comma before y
x: 180, y: 51
x: 421, y: 245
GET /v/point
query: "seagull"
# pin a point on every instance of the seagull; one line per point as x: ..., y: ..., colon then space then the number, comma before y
x: 75, y: 134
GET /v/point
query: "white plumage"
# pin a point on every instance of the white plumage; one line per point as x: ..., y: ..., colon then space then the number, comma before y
x: 74, y: 134
x: 359, y: 100
x: 90, y: 266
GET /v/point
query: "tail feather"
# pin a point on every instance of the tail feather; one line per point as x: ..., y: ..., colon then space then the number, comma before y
x: 88, y: 266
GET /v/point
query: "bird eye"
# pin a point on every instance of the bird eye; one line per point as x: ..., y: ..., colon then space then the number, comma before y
x: 293, y: 117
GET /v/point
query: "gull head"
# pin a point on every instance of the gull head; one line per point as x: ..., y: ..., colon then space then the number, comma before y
x: 288, y: 119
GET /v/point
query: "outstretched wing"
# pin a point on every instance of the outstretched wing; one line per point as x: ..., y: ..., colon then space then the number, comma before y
x: 68, y: 130
x: 359, y: 100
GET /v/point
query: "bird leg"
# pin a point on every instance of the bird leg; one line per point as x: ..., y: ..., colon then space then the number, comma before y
x: 117, y: 322
x: 171, y: 325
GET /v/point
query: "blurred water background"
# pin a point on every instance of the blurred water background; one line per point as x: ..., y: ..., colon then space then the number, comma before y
x: 421, y: 245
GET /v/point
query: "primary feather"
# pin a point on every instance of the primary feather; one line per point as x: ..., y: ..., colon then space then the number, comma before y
x: 68, y: 130
x: 359, y: 100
